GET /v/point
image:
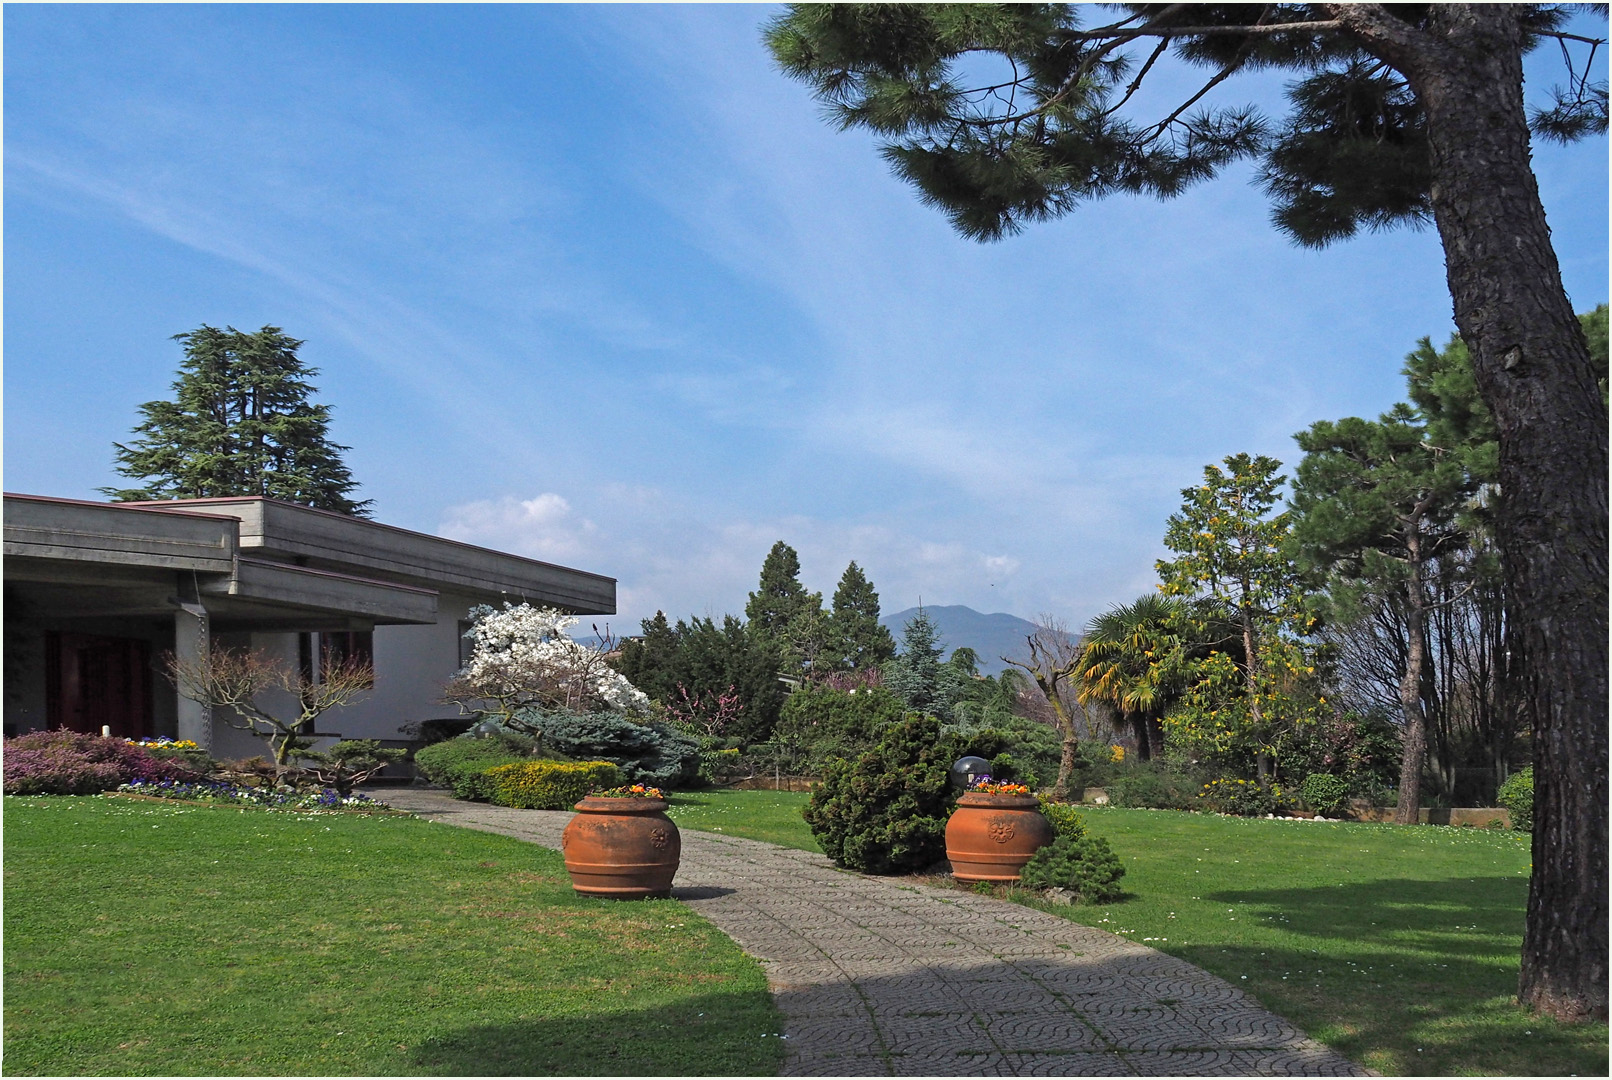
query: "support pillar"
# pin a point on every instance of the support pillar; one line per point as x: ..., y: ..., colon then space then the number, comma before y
x: 190, y: 647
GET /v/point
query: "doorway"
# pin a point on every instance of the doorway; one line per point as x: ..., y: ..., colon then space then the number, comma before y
x: 94, y: 682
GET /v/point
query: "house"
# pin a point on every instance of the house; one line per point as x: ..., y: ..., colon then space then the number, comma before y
x: 97, y: 595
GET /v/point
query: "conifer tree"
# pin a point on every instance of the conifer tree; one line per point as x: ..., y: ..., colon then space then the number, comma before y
x: 780, y: 599
x: 240, y: 423
x: 917, y: 676
x: 860, y: 640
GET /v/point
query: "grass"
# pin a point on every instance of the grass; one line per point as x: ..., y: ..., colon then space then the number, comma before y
x: 773, y: 816
x: 147, y: 939
x: 1396, y: 946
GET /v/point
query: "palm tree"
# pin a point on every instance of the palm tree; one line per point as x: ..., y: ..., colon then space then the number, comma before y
x: 1131, y: 660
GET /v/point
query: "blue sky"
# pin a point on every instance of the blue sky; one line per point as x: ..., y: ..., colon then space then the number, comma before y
x: 597, y: 285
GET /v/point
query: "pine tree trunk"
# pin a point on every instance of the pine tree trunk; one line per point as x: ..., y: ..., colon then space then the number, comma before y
x: 1533, y: 369
x: 1066, y: 764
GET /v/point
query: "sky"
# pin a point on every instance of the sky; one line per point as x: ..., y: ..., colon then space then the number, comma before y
x: 597, y: 285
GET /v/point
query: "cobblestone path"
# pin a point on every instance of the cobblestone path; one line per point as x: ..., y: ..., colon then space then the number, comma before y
x: 876, y: 977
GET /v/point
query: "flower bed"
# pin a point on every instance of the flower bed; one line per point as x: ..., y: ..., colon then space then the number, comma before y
x: 220, y: 793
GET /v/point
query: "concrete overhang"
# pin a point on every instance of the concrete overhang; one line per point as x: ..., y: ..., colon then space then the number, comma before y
x: 320, y: 538
x: 279, y: 585
x: 67, y: 530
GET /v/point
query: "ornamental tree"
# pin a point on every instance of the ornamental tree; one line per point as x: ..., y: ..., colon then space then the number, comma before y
x: 859, y: 640
x: 240, y: 423
x: 1398, y: 113
x: 523, y: 657
x: 1229, y: 556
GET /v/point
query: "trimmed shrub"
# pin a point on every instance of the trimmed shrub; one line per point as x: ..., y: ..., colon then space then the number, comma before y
x: 75, y: 763
x: 1324, y: 793
x: 547, y: 785
x: 1065, y: 819
x: 1084, y: 865
x: 645, y: 751
x: 461, y: 765
x: 885, y: 813
x: 1516, y: 795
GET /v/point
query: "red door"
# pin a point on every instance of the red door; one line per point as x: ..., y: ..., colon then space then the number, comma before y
x: 93, y: 682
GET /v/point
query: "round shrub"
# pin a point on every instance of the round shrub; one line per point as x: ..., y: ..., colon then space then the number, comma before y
x: 548, y: 785
x: 74, y: 763
x: 461, y: 764
x: 1084, y: 865
x: 885, y: 813
x: 1324, y: 793
x: 1517, y: 796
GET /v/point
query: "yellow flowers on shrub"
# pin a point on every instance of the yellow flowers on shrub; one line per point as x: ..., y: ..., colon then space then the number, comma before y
x: 548, y: 785
x: 1119, y: 753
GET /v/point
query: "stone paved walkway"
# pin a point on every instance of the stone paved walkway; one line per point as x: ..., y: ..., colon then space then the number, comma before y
x: 876, y: 977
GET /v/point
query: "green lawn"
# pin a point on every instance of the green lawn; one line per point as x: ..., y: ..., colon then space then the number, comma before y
x: 1398, y: 946
x: 773, y: 816
x: 150, y: 939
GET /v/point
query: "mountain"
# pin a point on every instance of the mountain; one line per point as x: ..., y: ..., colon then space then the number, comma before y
x: 990, y: 636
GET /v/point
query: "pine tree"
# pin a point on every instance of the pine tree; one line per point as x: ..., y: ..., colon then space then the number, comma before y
x: 1399, y: 114
x: 859, y: 639
x: 240, y: 423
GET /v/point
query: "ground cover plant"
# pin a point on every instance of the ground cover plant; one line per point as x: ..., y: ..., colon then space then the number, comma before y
x: 144, y: 938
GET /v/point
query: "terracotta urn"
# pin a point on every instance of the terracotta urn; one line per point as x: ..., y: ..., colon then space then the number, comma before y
x: 991, y: 837
x: 626, y: 849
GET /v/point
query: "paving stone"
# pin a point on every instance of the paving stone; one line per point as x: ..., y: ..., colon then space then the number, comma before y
x: 877, y: 978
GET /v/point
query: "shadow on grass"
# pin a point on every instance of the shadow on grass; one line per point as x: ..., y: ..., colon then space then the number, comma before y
x: 708, y: 1035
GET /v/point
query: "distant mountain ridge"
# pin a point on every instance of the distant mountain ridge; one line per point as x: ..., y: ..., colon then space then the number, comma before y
x: 990, y: 636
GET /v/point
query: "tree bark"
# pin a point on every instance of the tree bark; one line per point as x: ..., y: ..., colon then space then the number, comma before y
x: 1533, y: 369
x: 1410, y: 688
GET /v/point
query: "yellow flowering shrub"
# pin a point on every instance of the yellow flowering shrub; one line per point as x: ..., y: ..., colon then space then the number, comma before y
x: 548, y: 785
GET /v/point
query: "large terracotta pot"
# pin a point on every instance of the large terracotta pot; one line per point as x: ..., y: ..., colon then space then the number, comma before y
x: 991, y: 837
x: 622, y: 848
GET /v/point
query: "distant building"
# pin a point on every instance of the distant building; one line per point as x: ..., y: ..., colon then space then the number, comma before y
x: 97, y: 593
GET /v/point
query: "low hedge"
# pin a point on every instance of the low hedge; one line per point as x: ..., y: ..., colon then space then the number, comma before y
x: 74, y: 763
x: 548, y: 785
x: 461, y: 765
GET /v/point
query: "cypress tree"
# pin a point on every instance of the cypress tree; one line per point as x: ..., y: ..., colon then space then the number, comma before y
x: 859, y: 639
x: 240, y: 423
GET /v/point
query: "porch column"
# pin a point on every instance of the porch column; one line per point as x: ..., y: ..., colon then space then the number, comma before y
x: 190, y: 647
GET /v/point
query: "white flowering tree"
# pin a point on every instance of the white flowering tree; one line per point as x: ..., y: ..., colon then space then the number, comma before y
x: 523, y: 657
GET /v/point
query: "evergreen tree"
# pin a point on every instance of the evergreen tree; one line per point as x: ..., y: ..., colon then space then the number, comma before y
x: 649, y: 662
x: 917, y: 676
x: 1374, y: 505
x: 1400, y: 113
x: 859, y: 640
x: 780, y: 598
x: 240, y: 424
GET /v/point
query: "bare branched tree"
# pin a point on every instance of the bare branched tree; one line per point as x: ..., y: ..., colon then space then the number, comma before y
x: 236, y: 679
x: 1053, y: 655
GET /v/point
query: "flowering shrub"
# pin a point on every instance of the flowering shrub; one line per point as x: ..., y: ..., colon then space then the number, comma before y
x: 546, y: 785
x: 523, y: 657
x: 1245, y: 798
x: 984, y: 785
x: 1118, y: 753
x: 74, y: 763
x: 631, y: 791
x: 162, y: 742
x: 213, y: 791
